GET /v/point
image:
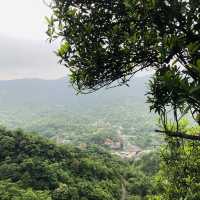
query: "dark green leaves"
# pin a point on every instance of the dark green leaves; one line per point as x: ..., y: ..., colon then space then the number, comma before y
x: 107, y: 42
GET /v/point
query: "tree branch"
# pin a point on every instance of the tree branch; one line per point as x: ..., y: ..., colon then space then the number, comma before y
x: 180, y: 135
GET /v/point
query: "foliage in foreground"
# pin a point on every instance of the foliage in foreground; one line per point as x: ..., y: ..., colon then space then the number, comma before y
x: 179, y: 169
x: 104, y: 42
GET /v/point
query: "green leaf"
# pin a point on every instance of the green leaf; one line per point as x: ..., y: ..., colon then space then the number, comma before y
x: 47, y: 20
x: 64, y: 48
x: 193, y: 47
x: 71, y: 12
x: 198, y: 63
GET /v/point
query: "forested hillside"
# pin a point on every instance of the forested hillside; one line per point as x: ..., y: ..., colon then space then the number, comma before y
x: 34, y: 168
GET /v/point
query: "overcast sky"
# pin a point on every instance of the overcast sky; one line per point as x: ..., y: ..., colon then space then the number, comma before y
x: 24, y: 51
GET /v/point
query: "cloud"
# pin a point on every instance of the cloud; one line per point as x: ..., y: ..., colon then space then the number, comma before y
x: 24, y: 18
x: 28, y: 59
x: 24, y: 52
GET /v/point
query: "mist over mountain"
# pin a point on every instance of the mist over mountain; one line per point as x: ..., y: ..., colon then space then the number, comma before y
x: 21, y: 58
x: 52, y: 108
x: 60, y: 92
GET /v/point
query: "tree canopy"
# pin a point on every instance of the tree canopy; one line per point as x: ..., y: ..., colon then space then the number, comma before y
x: 34, y: 168
x: 107, y: 42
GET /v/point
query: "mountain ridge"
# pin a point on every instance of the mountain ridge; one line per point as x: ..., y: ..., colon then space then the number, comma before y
x: 59, y: 91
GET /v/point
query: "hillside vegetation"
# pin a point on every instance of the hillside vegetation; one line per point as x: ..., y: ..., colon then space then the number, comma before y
x: 34, y: 168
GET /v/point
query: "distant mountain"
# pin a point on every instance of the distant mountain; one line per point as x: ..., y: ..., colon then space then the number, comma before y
x: 59, y: 92
x: 52, y: 108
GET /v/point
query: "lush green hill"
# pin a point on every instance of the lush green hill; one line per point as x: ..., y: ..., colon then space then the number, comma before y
x: 33, y: 168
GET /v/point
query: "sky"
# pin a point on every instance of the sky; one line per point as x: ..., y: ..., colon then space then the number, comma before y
x: 25, y: 52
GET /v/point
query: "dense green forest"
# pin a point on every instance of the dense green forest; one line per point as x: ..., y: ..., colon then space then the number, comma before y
x: 32, y: 167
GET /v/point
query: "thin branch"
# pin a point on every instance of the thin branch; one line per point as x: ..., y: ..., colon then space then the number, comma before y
x: 180, y: 135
